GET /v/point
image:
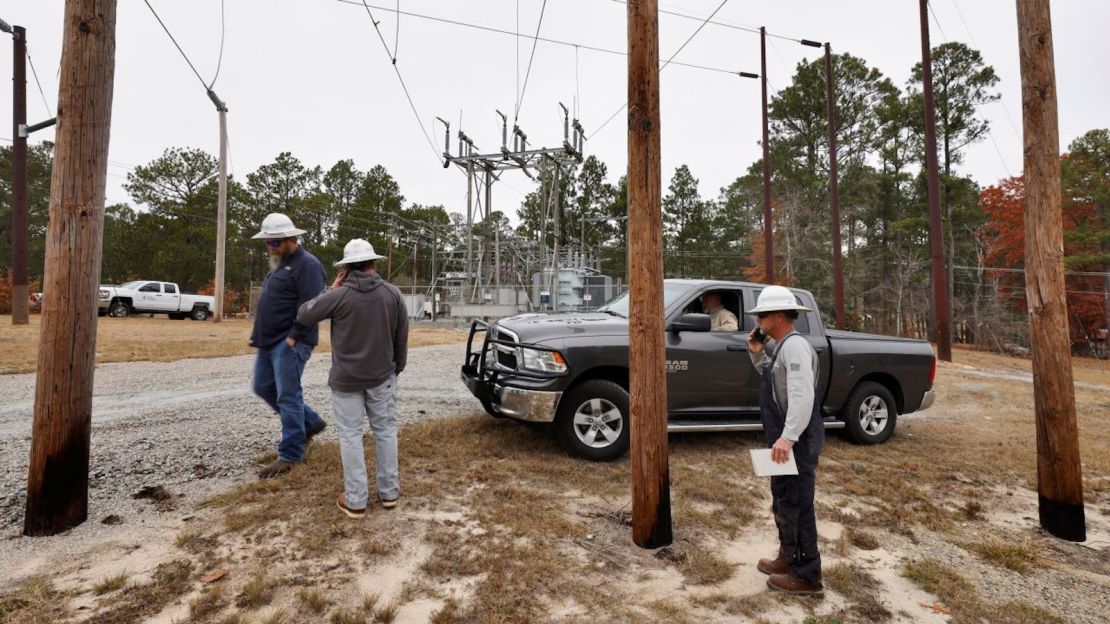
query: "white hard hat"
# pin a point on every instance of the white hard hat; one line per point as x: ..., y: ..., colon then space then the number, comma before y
x: 776, y: 299
x: 358, y: 250
x: 277, y: 225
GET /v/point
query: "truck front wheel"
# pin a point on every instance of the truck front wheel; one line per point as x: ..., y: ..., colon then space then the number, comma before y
x: 119, y: 309
x: 870, y: 413
x: 593, y: 420
x: 200, y: 314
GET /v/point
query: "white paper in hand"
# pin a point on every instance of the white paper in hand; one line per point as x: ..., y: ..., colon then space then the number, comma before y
x: 764, y: 466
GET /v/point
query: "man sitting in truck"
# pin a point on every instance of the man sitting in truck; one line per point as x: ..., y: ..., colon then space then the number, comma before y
x: 722, y: 319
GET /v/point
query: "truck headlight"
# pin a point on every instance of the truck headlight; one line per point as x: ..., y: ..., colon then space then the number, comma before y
x: 542, y: 361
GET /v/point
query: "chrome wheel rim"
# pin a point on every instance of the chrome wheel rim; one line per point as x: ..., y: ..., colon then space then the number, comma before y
x: 598, y: 423
x: 873, y: 415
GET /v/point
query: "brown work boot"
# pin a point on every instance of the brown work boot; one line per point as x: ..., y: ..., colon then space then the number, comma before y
x: 341, y: 503
x: 778, y: 565
x: 791, y: 583
x: 276, y: 468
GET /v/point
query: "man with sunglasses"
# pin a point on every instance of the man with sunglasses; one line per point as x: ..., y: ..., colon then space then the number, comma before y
x: 284, y: 345
x: 792, y: 423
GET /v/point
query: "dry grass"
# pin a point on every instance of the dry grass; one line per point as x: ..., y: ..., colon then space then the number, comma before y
x: 257, y: 592
x: 36, y: 601
x: 516, y: 528
x: 110, y: 584
x: 1021, y: 556
x: 210, y: 602
x: 170, y: 581
x: 858, y: 587
x: 159, y: 339
x: 961, y: 597
x: 313, y: 601
x: 701, y: 567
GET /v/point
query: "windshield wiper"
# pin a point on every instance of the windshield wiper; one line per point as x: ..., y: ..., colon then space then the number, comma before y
x: 612, y: 312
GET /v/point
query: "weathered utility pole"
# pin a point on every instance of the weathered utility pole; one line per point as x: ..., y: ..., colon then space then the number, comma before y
x: 1059, y: 472
x: 834, y: 191
x: 651, y: 482
x: 768, y: 236
x: 936, y: 232
x: 221, y: 210
x: 20, y: 311
x: 58, y: 477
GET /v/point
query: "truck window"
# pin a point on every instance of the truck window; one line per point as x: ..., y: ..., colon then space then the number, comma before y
x: 151, y: 287
x: 730, y: 299
x: 170, y: 289
x: 801, y: 325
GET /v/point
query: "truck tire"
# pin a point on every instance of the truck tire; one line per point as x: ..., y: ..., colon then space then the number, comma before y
x: 593, y: 420
x: 870, y: 414
x: 119, y: 309
x: 199, y: 314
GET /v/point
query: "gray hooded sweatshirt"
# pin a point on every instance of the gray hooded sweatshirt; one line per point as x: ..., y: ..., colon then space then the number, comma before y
x: 369, y: 330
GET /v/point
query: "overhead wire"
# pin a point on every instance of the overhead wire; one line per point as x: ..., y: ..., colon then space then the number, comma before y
x: 220, y: 59
x: 676, y: 53
x: 970, y: 36
x: 990, y: 133
x: 176, y: 45
x: 34, y: 73
x: 528, y: 72
x: 404, y: 87
x: 510, y: 33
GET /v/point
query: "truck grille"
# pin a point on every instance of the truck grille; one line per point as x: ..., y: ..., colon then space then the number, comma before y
x: 506, y: 355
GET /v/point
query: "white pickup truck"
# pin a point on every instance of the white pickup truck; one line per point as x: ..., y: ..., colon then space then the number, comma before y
x: 146, y: 297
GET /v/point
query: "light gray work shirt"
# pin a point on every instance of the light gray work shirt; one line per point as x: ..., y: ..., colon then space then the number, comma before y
x: 795, y: 384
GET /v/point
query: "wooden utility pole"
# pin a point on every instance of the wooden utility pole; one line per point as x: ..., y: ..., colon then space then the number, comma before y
x: 1059, y: 473
x: 58, y: 478
x: 936, y: 232
x: 20, y: 312
x: 768, y: 236
x: 221, y: 210
x: 651, y: 481
x: 834, y: 191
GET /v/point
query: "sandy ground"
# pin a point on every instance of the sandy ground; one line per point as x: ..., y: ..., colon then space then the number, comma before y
x: 138, y: 420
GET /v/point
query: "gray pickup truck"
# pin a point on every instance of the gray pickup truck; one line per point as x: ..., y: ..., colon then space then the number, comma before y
x: 571, y: 370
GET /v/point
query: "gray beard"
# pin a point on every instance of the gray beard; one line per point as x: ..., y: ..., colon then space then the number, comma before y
x: 275, y: 261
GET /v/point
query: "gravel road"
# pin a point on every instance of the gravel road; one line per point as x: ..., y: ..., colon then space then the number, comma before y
x: 192, y: 426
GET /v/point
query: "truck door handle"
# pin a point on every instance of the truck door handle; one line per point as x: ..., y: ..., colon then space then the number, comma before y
x: 737, y: 347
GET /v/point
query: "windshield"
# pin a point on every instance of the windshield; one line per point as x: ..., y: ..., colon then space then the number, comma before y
x: 619, y: 306
x: 130, y: 285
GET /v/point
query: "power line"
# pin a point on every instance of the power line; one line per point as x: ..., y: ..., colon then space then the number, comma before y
x: 518, y: 35
x: 749, y: 29
x: 528, y: 72
x: 220, y: 60
x: 176, y: 45
x: 400, y: 79
x: 39, y: 84
x: 680, y: 49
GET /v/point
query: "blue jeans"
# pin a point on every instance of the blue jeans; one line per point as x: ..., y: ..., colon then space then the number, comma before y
x: 352, y: 410
x: 277, y: 380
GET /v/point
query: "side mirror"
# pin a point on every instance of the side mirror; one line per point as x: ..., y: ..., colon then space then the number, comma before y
x: 691, y: 323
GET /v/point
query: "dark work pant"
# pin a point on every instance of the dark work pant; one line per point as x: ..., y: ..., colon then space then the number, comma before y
x: 796, y: 519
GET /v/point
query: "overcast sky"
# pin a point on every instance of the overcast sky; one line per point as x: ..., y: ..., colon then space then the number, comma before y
x: 312, y: 77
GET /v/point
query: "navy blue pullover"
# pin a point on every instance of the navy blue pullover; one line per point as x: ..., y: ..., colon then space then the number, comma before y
x: 298, y: 280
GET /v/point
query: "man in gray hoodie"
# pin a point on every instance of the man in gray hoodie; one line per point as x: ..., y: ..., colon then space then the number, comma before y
x: 369, y: 344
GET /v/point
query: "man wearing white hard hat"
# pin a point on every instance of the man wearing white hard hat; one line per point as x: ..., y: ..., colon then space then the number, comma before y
x: 284, y: 345
x: 369, y: 347
x: 793, y: 425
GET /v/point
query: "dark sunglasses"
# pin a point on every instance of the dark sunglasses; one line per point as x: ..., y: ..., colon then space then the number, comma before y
x: 276, y: 243
x: 763, y: 315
